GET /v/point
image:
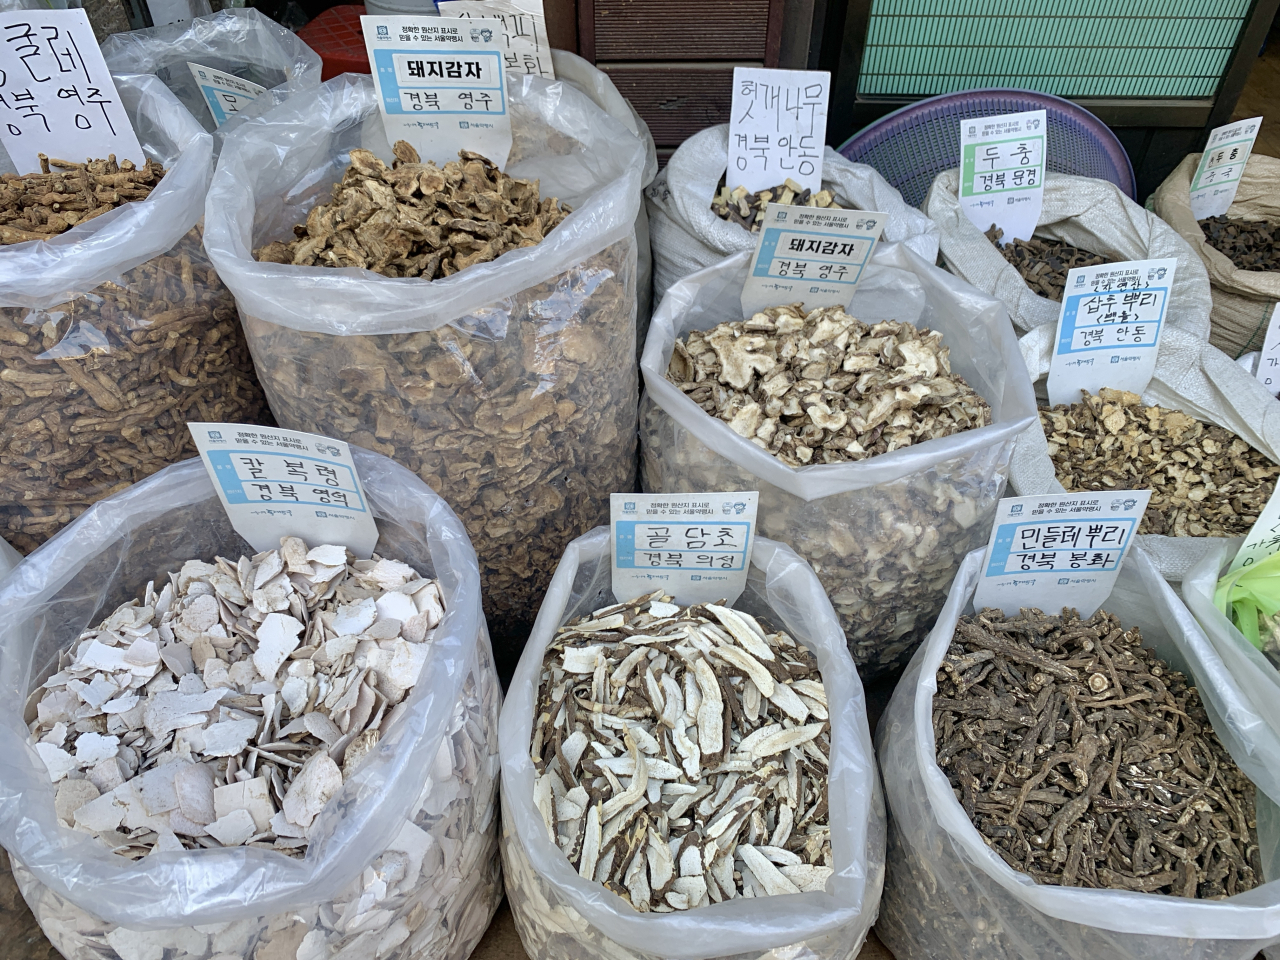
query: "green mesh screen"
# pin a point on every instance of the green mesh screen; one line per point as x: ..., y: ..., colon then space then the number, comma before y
x: 1073, y: 48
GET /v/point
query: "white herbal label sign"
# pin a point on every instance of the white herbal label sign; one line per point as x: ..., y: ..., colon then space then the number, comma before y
x: 441, y: 85
x: 56, y: 95
x: 1109, y: 328
x: 1002, y: 166
x: 814, y: 255
x: 1221, y: 167
x: 777, y: 127
x: 1268, y: 372
x: 225, y: 93
x: 1263, y: 538
x: 1058, y: 550
x: 527, y: 48
x: 277, y: 483
x: 694, y: 546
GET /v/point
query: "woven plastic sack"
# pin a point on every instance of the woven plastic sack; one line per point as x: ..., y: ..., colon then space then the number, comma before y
x: 561, y: 916
x: 1243, y: 300
x: 1094, y: 215
x: 239, y: 41
x: 884, y: 535
x: 948, y: 894
x: 1192, y: 376
x: 688, y: 236
x: 114, y: 334
x: 403, y: 860
x: 509, y: 387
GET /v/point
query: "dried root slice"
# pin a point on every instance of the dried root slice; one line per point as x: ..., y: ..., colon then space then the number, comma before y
x: 747, y: 209
x: 37, y: 206
x: 1249, y: 244
x: 1044, y: 263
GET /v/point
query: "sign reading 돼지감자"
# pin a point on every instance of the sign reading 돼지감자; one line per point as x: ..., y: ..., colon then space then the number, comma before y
x: 777, y: 128
x: 1002, y: 165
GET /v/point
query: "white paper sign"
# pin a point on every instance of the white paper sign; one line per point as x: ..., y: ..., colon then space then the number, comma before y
x: 1268, y: 372
x: 225, y: 93
x: 1058, y: 550
x: 1263, y: 538
x: 527, y: 47
x: 1221, y: 167
x: 1109, y: 328
x: 441, y: 85
x: 777, y: 127
x: 277, y: 483
x: 1002, y: 164
x: 56, y: 95
x: 694, y: 546
x: 810, y: 254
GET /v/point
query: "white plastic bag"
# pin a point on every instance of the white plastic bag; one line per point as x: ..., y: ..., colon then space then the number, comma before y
x: 561, y: 916
x: 427, y: 790
x: 885, y: 535
x: 688, y: 236
x: 1094, y: 215
x: 238, y: 40
x: 948, y: 894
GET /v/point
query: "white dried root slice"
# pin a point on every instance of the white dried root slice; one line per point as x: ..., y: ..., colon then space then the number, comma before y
x: 682, y: 755
x: 228, y: 707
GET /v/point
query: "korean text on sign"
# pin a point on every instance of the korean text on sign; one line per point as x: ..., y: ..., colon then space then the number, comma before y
x: 777, y: 127
x: 1002, y: 167
x: 225, y: 93
x: 1221, y: 166
x: 525, y: 45
x: 679, y: 546
x: 56, y: 96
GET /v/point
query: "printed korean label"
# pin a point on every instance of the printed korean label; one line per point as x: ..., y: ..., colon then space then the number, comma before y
x: 1269, y: 360
x: 777, y: 127
x: 277, y: 483
x: 56, y: 95
x: 1263, y: 538
x: 1002, y: 172
x: 441, y: 85
x: 525, y: 31
x: 1221, y: 167
x: 225, y: 94
x: 1109, y: 328
x: 814, y: 255
x: 694, y: 546
x: 1059, y: 550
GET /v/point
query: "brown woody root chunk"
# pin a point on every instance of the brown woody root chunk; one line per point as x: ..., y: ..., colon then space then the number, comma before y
x: 1250, y: 244
x: 1044, y: 263
x: 37, y: 206
x: 747, y: 209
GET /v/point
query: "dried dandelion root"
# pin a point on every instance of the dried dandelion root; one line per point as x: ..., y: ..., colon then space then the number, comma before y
x: 1084, y: 761
x: 823, y: 387
x: 415, y: 219
x: 1204, y: 480
x: 682, y: 755
x: 747, y: 209
x: 229, y: 707
x: 37, y: 206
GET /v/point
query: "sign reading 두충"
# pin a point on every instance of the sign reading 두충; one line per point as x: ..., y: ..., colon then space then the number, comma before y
x: 1002, y: 167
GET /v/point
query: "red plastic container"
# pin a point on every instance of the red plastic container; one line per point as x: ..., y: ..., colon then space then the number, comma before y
x: 336, y: 36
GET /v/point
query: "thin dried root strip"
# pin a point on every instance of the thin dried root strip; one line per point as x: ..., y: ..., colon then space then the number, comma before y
x: 747, y: 209
x: 682, y: 755
x: 1044, y: 263
x: 1249, y: 244
x: 37, y: 206
x: 1204, y: 480
x: 1100, y: 772
x: 415, y: 219
x: 229, y: 707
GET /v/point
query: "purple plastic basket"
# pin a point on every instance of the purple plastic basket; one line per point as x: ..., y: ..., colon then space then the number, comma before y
x: 911, y: 146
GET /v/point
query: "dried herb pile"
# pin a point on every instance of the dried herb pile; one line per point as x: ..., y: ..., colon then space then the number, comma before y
x: 415, y: 219
x: 1204, y: 480
x: 682, y: 755
x: 37, y: 206
x: 1085, y: 761
x: 1044, y: 263
x: 747, y: 209
x: 823, y: 387
x: 1250, y: 244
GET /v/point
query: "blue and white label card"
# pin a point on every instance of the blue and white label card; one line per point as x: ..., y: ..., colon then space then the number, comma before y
x: 1217, y: 177
x: 694, y: 546
x: 810, y: 254
x: 225, y: 93
x: 1109, y: 328
x: 1058, y: 550
x: 277, y: 483
x: 441, y: 84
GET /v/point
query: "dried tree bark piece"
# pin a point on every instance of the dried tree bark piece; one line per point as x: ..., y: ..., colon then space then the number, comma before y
x: 37, y: 206
x: 747, y: 209
x: 1250, y: 244
x: 1044, y: 263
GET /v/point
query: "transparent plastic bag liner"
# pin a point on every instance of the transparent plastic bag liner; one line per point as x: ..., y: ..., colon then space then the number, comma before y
x: 273, y: 169
x: 948, y: 894
x: 237, y: 40
x: 589, y: 921
x: 41, y: 273
x: 104, y: 558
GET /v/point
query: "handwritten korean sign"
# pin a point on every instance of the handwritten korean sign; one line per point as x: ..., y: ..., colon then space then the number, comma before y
x: 441, y: 85
x: 1058, y: 550
x: 56, y: 95
x: 1002, y: 164
x: 526, y: 48
x: 1269, y: 360
x: 225, y: 93
x: 1109, y: 328
x: 1221, y: 166
x: 777, y: 127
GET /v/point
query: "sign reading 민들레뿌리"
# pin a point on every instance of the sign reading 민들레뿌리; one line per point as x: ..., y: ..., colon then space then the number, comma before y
x: 1002, y: 166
